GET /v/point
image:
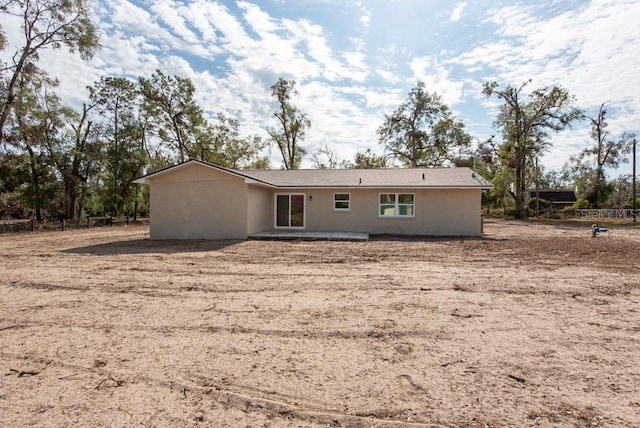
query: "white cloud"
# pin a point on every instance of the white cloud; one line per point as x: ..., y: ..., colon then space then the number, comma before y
x: 456, y: 15
x: 591, y: 50
x: 437, y: 79
x: 588, y: 50
x: 365, y: 17
x: 352, y: 68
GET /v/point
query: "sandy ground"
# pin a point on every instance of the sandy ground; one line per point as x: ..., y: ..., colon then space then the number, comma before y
x: 531, y: 325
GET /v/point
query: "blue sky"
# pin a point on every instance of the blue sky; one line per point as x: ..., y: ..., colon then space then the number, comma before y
x: 354, y: 61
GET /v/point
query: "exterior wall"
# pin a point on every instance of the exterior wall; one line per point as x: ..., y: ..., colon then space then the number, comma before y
x: 260, y: 210
x: 197, y: 202
x: 446, y: 212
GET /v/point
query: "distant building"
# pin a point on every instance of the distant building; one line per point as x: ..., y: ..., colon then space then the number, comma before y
x: 559, y: 198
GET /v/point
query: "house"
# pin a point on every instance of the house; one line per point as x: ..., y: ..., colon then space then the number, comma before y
x: 559, y: 198
x: 197, y: 200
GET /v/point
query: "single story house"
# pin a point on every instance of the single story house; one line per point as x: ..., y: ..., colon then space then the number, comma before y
x: 197, y: 200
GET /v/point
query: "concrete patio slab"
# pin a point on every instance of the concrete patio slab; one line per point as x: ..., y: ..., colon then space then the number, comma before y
x: 310, y: 236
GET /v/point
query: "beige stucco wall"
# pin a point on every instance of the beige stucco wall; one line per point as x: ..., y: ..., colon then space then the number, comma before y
x: 446, y: 212
x: 197, y: 202
x: 260, y: 210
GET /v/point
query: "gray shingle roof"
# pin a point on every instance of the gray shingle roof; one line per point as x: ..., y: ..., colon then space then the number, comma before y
x: 393, y: 177
x: 344, y: 178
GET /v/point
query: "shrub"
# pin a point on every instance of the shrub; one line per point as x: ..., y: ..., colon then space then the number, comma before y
x: 580, y: 204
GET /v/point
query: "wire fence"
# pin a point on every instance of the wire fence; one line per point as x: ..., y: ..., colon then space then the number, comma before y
x: 33, y: 225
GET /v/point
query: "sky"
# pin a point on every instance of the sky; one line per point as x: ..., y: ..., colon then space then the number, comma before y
x: 355, y: 61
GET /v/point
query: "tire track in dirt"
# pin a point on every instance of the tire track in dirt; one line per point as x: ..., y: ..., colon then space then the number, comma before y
x: 242, y: 397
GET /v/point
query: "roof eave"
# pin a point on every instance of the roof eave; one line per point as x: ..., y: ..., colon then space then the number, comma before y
x: 147, y: 178
x: 350, y: 186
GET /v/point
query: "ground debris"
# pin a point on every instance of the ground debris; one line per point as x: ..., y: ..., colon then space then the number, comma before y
x: 22, y: 373
x: 517, y: 378
x: 109, y: 381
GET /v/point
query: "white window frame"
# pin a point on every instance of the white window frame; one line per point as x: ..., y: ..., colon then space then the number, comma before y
x: 397, y: 205
x: 348, y: 201
x: 304, y: 211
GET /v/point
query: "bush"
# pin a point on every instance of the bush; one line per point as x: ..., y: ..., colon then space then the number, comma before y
x: 11, y: 206
x: 544, y: 205
x: 580, y: 204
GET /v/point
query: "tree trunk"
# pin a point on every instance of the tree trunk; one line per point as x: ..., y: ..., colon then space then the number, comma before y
x: 35, y: 181
x: 521, y: 208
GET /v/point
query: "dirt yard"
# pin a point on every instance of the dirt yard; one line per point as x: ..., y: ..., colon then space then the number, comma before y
x: 531, y: 325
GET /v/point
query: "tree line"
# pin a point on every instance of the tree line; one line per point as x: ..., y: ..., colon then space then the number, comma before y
x: 76, y: 162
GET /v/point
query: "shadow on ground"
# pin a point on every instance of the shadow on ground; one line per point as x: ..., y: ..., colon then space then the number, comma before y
x: 146, y: 246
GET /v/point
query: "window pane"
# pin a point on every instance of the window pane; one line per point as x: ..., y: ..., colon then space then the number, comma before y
x: 341, y: 196
x: 387, y: 210
x: 405, y: 210
x: 282, y: 210
x: 405, y: 198
x: 341, y: 205
x: 297, y: 210
x: 387, y: 198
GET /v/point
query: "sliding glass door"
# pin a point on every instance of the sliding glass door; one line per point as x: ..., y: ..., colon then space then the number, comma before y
x: 290, y: 210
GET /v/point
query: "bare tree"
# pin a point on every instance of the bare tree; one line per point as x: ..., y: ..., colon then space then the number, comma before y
x: 325, y: 158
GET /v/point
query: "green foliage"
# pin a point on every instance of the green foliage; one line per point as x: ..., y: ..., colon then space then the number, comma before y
x: 622, y: 195
x: 46, y: 24
x: 541, y: 204
x: 580, y: 204
x: 225, y: 146
x: 588, y: 167
x: 172, y: 114
x: 367, y: 160
x: 525, y: 122
x: 13, y: 171
x: 117, y: 99
x: 629, y: 204
x: 422, y: 131
x: 11, y: 206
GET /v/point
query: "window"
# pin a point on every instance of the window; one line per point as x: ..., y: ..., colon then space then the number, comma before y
x: 341, y: 201
x: 290, y: 210
x: 397, y: 205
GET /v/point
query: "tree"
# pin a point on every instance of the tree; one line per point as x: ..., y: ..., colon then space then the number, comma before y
x: 70, y: 153
x: 293, y: 122
x: 117, y: 100
x: 36, y: 124
x: 606, y: 152
x: 173, y: 114
x: 367, y: 160
x: 622, y: 196
x: 45, y: 24
x: 14, y: 175
x: 422, y: 131
x: 525, y: 121
x: 325, y: 158
x: 82, y: 160
x: 227, y: 148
